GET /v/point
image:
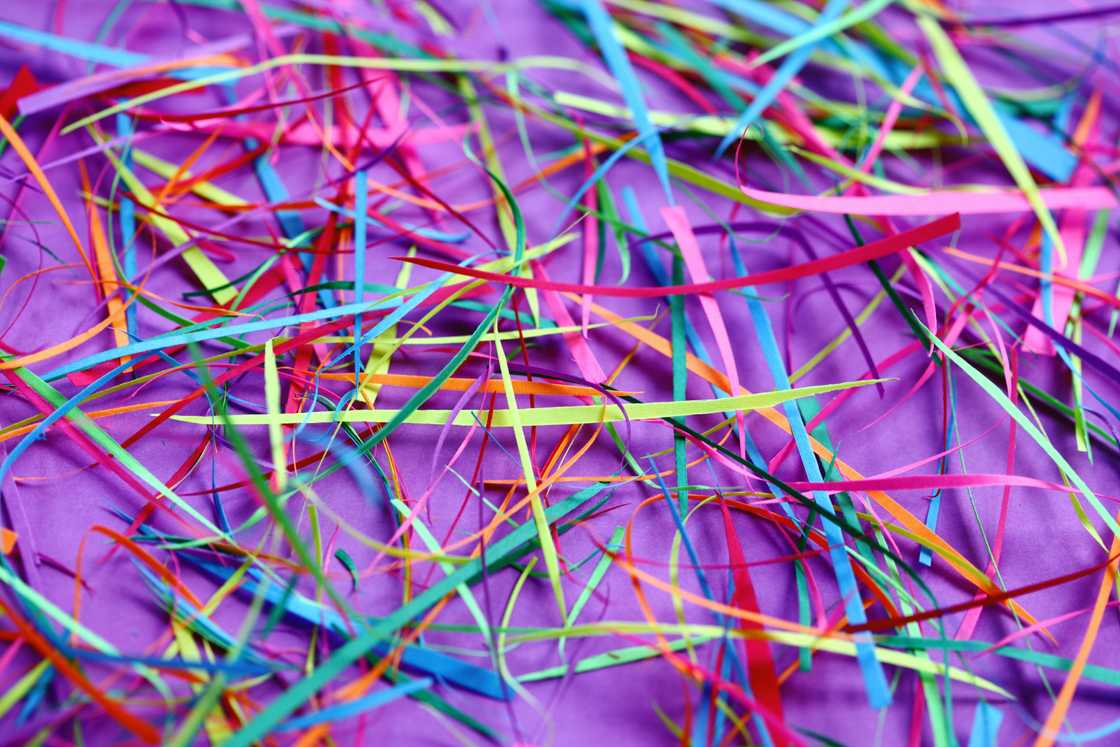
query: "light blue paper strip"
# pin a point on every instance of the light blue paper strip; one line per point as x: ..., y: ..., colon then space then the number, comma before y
x: 460, y: 673
x: 361, y: 197
x: 601, y: 27
x: 790, y: 67
x: 291, y: 224
x: 1043, y: 151
x: 446, y: 237
x: 496, y: 553
x: 92, y: 52
x: 778, y: 20
x: 925, y: 557
x: 128, y: 228
x: 205, y: 331
x: 354, y: 707
x: 985, y: 726
x: 875, y: 681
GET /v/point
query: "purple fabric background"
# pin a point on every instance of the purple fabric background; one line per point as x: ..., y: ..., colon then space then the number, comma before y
x: 62, y: 497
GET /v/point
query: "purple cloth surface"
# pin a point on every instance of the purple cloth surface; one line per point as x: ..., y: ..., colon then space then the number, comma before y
x: 53, y: 497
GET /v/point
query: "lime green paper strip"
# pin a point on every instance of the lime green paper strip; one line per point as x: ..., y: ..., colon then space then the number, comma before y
x: 788, y: 638
x: 272, y: 403
x: 957, y: 73
x: 513, y: 414
x: 864, y: 12
x: 1030, y: 428
x: 569, y: 415
x: 21, y: 687
x: 213, y: 279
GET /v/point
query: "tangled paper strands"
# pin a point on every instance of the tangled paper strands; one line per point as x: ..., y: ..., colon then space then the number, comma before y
x: 559, y: 372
